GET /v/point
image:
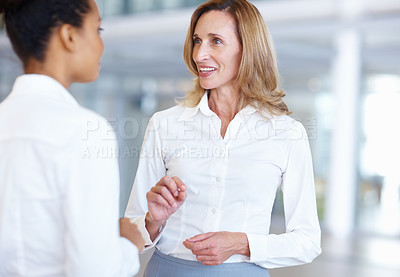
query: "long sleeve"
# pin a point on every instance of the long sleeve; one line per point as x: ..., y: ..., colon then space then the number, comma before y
x: 301, y: 242
x: 150, y: 170
x: 93, y: 244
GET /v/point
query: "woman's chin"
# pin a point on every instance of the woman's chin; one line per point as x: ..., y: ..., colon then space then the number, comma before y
x: 206, y: 86
x: 88, y: 79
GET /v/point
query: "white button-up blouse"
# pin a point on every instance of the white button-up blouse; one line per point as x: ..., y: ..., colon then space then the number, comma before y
x: 231, y: 181
x: 58, y: 193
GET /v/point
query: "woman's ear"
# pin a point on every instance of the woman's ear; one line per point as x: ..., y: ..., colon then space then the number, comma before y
x: 68, y: 37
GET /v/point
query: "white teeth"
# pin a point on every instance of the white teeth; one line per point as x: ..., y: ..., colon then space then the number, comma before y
x: 206, y: 69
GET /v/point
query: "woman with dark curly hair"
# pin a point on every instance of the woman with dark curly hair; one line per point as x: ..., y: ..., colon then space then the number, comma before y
x: 58, y: 201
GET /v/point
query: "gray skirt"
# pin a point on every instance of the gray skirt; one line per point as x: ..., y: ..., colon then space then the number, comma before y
x: 161, y: 265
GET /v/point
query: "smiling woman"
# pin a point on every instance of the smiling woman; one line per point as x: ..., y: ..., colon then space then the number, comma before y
x: 51, y: 223
x: 210, y: 215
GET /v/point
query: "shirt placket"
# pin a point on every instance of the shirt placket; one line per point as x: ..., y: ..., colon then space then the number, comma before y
x: 218, y: 171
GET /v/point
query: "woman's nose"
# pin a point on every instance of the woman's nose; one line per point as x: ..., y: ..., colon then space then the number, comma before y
x: 202, y: 53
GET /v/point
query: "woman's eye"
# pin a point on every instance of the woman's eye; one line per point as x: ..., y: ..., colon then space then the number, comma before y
x: 196, y: 41
x: 217, y: 41
x: 99, y: 30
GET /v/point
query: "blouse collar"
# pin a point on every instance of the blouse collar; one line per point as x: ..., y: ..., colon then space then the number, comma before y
x: 37, y: 85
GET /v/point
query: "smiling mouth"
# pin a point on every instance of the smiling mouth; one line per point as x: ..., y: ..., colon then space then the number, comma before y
x: 207, y: 69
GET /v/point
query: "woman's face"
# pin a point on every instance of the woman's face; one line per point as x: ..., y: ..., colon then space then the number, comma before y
x: 91, y: 46
x: 217, y: 51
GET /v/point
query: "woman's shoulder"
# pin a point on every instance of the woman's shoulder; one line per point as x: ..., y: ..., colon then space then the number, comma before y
x: 289, y: 126
x: 89, y: 123
x: 173, y: 114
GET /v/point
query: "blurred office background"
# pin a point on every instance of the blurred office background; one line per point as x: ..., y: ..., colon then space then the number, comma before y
x: 339, y: 63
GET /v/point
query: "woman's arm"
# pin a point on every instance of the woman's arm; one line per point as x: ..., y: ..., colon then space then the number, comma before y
x: 301, y: 242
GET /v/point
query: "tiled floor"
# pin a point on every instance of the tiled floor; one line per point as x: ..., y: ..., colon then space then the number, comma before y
x: 356, y: 257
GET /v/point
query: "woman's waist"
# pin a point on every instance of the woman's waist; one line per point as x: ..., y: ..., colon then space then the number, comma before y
x: 181, y: 254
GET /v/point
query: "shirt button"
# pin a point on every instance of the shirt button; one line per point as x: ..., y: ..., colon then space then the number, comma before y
x: 218, y: 179
x: 214, y: 210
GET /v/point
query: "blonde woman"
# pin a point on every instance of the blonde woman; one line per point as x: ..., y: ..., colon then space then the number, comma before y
x: 210, y: 167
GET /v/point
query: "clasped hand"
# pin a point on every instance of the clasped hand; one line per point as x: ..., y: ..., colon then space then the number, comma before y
x: 216, y: 247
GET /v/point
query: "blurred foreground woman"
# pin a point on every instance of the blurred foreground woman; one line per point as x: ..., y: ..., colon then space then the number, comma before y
x: 58, y: 200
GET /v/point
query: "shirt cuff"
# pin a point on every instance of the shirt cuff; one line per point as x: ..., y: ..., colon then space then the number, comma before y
x: 257, y: 246
x: 141, y: 224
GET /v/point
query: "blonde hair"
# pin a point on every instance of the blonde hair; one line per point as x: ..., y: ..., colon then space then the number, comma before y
x: 258, y: 74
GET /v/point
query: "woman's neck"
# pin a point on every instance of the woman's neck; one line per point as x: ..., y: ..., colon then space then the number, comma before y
x: 225, y: 105
x: 48, y: 68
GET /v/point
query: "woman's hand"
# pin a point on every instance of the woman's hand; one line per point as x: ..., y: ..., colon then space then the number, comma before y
x: 164, y: 199
x: 216, y: 247
x: 131, y: 232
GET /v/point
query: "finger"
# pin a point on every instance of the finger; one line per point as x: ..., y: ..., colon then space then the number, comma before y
x: 164, y: 194
x: 201, y: 237
x: 188, y: 245
x: 195, y: 246
x: 169, y: 183
x: 181, y: 188
x: 181, y: 197
x: 180, y: 184
x: 211, y: 252
x: 217, y: 262
x: 155, y: 197
x: 208, y: 260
